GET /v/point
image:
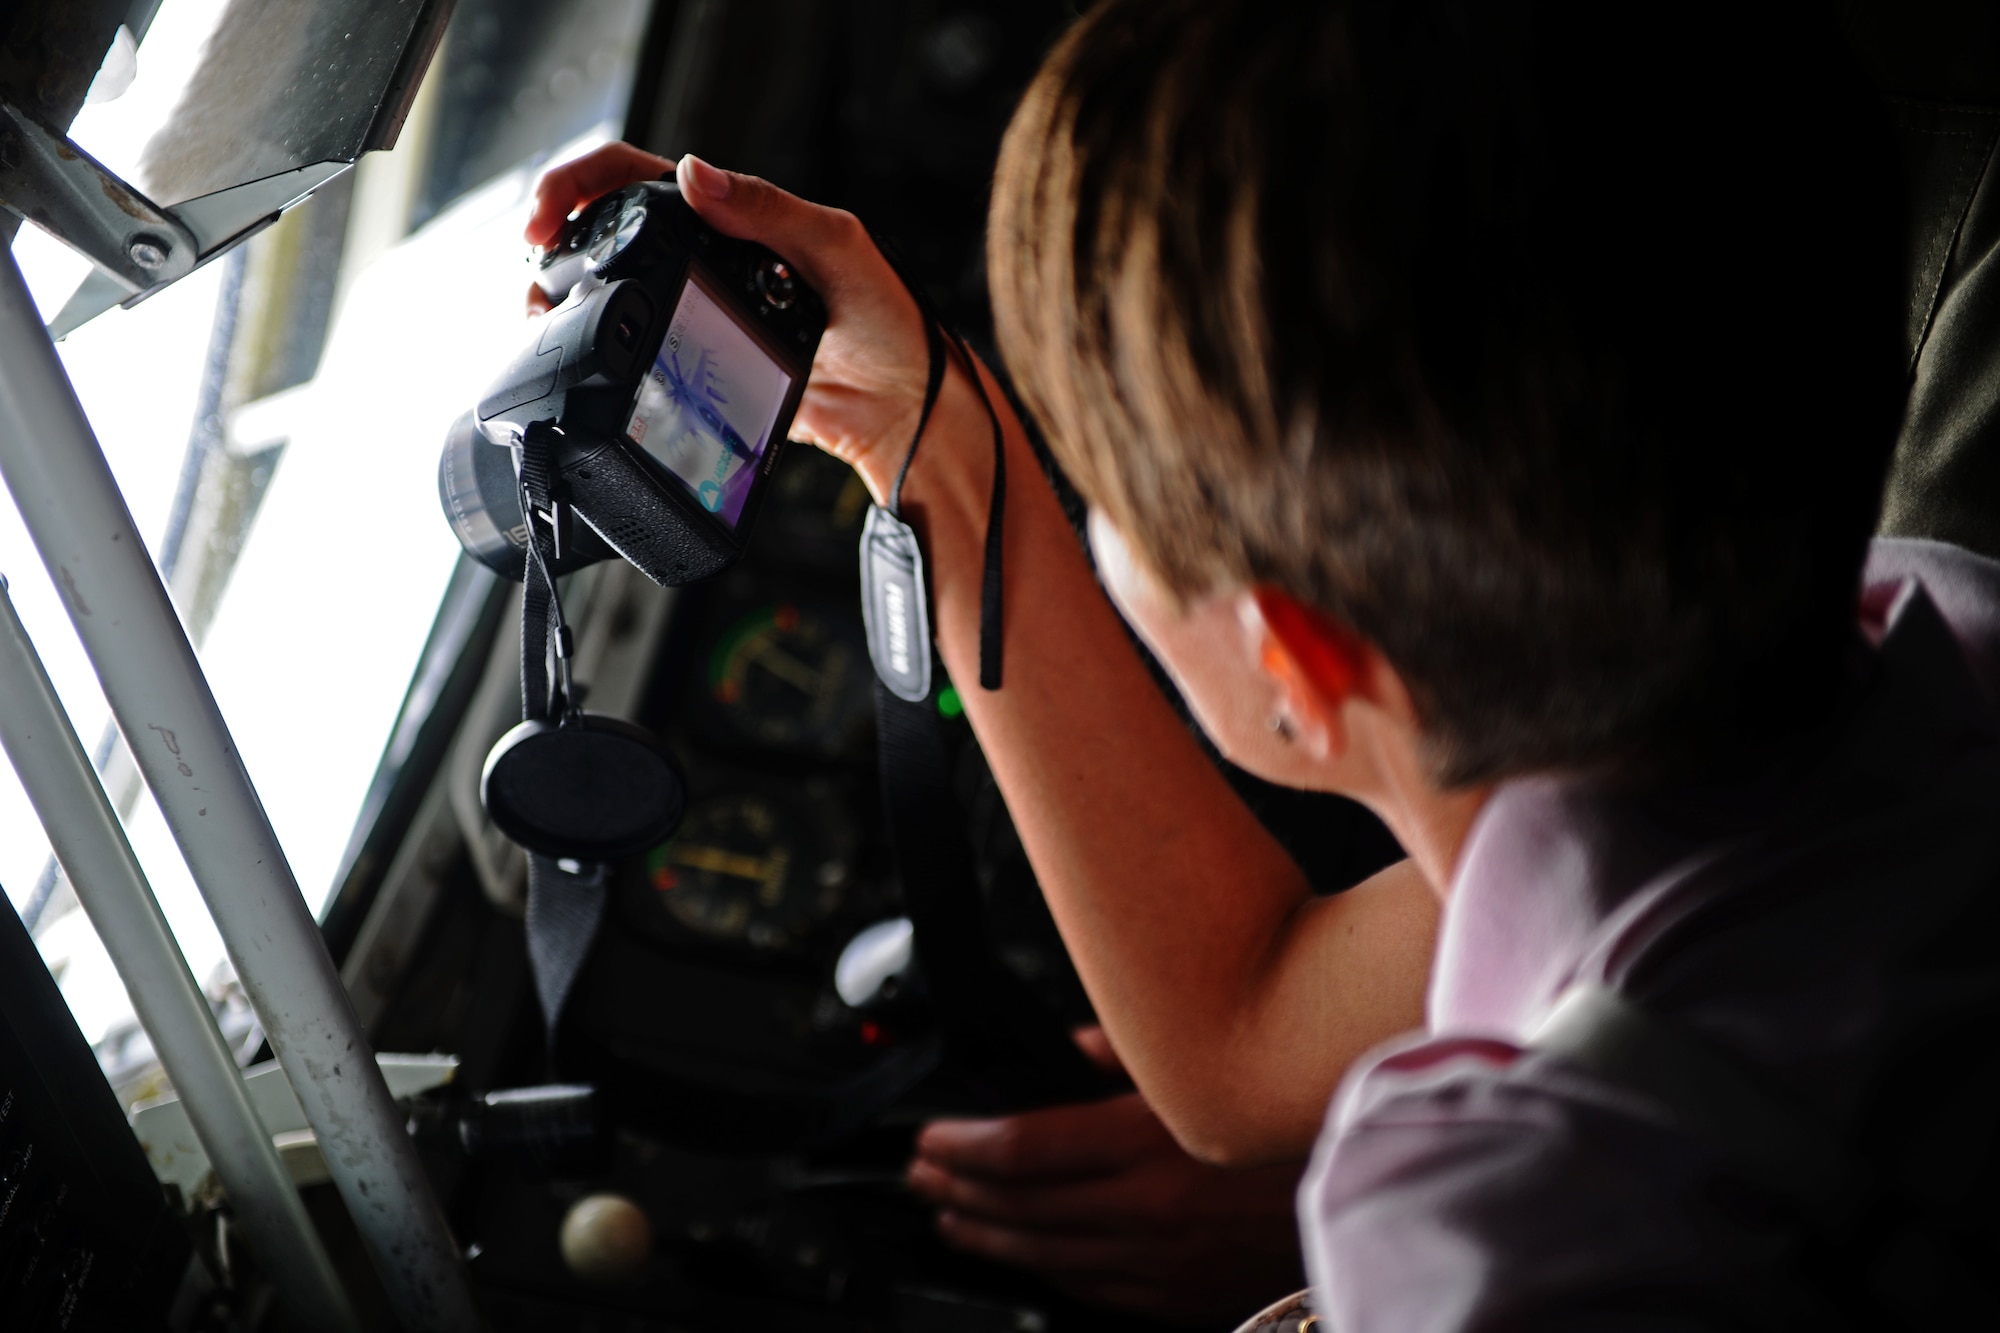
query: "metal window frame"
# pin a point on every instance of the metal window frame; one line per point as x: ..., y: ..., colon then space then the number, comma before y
x: 78, y: 520
x: 62, y: 784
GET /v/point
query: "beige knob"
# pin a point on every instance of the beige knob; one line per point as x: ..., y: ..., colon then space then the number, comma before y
x: 606, y: 1238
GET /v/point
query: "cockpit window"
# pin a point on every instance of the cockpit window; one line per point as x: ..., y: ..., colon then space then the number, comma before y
x: 274, y: 421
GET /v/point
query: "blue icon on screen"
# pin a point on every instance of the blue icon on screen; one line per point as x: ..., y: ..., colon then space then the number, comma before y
x: 711, y: 496
x: 700, y: 393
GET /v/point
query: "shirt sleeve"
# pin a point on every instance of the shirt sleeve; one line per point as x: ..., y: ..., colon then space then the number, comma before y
x: 1453, y: 1192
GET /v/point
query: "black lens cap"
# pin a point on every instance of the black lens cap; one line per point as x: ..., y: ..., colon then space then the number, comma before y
x: 589, y: 788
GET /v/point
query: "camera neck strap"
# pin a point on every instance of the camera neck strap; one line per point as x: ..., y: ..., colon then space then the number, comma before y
x: 1002, y: 1040
x: 936, y: 338
x: 566, y: 899
x: 542, y: 624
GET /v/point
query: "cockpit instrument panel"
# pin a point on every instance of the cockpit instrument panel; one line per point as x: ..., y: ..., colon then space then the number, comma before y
x: 760, y: 867
x: 785, y: 673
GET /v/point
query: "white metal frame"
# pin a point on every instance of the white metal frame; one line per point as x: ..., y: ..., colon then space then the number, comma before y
x: 93, y: 851
x: 78, y: 520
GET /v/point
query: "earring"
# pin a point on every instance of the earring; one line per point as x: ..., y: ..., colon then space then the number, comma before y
x: 1282, y: 725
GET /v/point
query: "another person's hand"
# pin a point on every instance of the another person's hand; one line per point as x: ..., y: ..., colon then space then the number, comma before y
x: 867, y: 384
x: 1099, y: 1199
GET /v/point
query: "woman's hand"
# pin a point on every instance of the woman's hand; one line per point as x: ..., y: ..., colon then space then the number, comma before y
x: 1099, y: 1199
x: 563, y: 191
x: 867, y: 386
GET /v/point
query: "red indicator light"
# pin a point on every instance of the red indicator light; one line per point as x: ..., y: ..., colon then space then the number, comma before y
x: 871, y: 1032
x: 664, y: 879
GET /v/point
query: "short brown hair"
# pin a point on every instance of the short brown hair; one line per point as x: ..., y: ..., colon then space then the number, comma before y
x: 1560, y: 364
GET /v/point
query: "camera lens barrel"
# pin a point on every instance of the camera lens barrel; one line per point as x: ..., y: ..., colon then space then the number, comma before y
x: 482, y: 501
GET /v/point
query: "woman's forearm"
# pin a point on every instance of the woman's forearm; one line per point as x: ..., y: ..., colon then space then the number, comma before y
x: 1234, y: 996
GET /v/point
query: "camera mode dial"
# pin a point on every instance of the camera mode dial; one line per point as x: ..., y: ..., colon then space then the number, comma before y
x: 610, y: 247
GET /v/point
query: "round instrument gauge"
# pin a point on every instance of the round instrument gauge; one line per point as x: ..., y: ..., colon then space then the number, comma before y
x: 748, y: 869
x: 788, y: 676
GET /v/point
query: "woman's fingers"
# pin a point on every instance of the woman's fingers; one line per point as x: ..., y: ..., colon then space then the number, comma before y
x: 1059, y: 1142
x: 825, y: 244
x: 568, y: 187
x: 1133, y: 1202
x: 1096, y: 1048
x: 867, y: 381
x: 815, y: 238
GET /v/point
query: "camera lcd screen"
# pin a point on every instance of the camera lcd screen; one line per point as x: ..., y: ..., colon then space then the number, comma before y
x: 706, y: 409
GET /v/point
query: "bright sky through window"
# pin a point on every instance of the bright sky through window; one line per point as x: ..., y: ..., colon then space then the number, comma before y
x: 341, y: 571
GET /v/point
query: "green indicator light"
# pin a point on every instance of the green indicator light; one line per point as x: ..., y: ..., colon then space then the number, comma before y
x: 949, y: 704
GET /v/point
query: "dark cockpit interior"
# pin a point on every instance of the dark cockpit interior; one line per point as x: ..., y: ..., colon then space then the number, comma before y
x: 318, y: 269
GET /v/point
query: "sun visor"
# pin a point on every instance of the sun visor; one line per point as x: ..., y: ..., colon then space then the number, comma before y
x: 287, y: 94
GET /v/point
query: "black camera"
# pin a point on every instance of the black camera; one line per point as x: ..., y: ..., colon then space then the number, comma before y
x: 643, y: 419
x: 664, y: 381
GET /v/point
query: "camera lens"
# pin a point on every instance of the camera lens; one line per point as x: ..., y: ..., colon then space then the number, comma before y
x: 776, y: 284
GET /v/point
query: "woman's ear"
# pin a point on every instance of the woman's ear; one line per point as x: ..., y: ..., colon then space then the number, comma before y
x: 1318, y: 664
